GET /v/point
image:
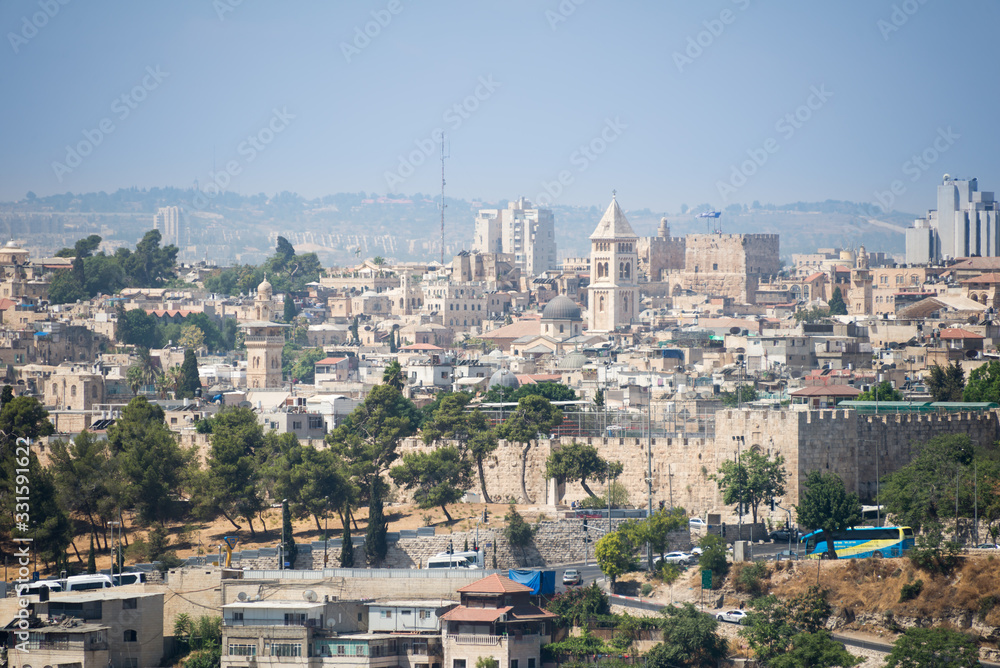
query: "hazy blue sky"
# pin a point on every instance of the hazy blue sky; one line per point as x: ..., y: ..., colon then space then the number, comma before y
x: 667, y: 119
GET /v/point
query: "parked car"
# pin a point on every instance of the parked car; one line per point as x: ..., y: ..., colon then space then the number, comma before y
x: 571, y: 577
x: 782, y: 535
x: 679, y: 558
x: 732, y: 616
x: 697, y: 523
x: 988, y: 546
x: 786, y: 555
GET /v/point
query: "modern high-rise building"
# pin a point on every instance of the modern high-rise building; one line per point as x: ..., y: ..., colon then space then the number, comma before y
x: 522, y: 230
x: 168, y: 221
x: 966, y: 223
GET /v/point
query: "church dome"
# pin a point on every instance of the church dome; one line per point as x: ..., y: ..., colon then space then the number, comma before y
x: 264, y: 289
x: 575, y: 360
x: 561, y: 308
x: 504, y: 378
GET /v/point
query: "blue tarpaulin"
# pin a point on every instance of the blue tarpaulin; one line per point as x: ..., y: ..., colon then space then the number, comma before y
x: 541, y: 582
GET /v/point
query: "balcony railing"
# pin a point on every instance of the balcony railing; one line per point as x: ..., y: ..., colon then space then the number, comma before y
x: 261, y: 621
x: 261, y: 338
x: 475, y: 639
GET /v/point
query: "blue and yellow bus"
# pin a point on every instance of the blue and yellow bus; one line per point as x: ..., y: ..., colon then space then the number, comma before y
x: 860, y: 542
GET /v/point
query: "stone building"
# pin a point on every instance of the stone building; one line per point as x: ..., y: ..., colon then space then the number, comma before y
x: 522, y: 230
x: 860, y: 296
x: 660, y: 255
x: 614, y: 261
x: 727, y: 265
x: 264, y: 341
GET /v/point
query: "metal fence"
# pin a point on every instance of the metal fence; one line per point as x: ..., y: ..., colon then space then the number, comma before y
x: 391, y: 573
x: 620, y: 423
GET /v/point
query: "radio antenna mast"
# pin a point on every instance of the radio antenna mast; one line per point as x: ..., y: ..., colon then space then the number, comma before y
x: 443, y: 156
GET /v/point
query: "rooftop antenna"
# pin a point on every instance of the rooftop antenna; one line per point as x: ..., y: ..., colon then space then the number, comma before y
x: 444, y: 154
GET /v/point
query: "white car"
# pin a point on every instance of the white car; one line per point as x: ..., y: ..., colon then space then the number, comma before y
x: 679, y: 558
x: 732, y: 616
x: 697, y: 523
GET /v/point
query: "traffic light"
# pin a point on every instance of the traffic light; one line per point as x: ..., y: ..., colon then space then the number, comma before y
x: 723, y: 529
x: 772, y: 504
x: 584, y: 525
x: 486, y: 516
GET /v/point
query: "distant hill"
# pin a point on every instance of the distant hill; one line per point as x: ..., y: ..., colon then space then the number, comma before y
x: 234, y: 228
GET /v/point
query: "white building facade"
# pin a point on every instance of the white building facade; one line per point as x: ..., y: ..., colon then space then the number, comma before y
x: 521, y: 229
x: 966, y: 223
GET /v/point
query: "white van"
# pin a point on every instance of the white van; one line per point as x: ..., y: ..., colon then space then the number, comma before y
x: 470, y: 559
x: 37, y: 587
x: 86, y: 582
x: 119, y: 579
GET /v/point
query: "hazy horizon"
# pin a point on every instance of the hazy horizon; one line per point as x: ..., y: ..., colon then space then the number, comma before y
x: 723, y: 102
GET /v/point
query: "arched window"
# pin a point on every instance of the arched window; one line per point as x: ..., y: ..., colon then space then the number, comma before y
x: 130, y: 635
x: 621, y: 270
x: 600, y: 304
x: 628, y: 270
x: 72, y: 390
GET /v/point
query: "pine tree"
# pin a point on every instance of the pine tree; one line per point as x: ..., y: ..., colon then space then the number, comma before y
x: 91, y: 558
x: 376, y: 546
x: 289, y: 548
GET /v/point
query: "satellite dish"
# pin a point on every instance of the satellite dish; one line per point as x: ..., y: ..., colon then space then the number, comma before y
x: 734, y: 330
x: 972, y: 354
x: 310, y: 595
x: 245, y: 404
x: 242, y: 596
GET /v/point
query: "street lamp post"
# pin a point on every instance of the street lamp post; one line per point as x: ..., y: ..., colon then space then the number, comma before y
x: 326, y: 530
x: 740, y: 440
x: 281, y: 551
x: 114, y: 548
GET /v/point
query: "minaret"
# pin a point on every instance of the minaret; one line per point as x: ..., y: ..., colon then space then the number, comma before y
x: 614, y: 260
x: 861, y: 299
x: 264, y: 340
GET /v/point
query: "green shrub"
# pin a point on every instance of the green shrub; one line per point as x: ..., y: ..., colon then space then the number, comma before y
x: 647, y: 589
x: 749, y: 578
x: 986, y: 604
x: 911, y: 590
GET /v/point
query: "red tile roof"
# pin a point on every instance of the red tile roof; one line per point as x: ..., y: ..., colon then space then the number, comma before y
x: 6, y: 304
x: 826, y: 391
x: 331, y: 360
x: 812, y: 277
x: 463, y: 614
x: 494, y: 584
x: 992, y: 277
x: 958, y: 333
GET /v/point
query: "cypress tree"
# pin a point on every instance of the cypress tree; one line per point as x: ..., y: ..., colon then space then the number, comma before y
x: 91, y: 558
x: 190, y: 382
x: 288, y: 540
x: 376, y: 546
x: 289, y: 308
x: 347, y: 547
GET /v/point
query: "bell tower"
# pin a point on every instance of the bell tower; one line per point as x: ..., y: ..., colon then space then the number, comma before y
x: 614, y: 260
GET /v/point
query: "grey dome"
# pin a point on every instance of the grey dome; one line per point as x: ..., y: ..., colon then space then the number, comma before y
x: 575, y: 360
x: 561, y: 308
x: 504, y: 378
